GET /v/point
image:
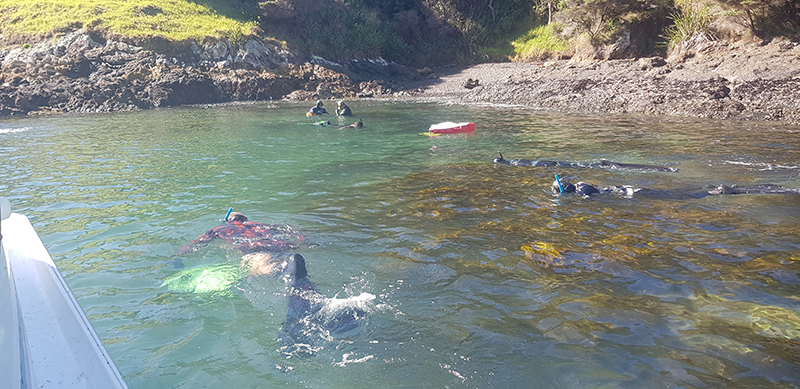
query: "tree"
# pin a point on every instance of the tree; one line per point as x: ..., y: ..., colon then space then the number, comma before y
x: 769, y: 16
x: 600, y: 19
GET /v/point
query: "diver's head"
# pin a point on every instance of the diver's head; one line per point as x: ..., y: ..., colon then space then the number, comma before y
x: 341, y: 103
x: 568, y: 187
x: 319, y: 103
x: 236, y: 217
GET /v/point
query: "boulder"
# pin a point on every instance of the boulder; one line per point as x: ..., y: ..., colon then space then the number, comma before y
x: 617, y: 50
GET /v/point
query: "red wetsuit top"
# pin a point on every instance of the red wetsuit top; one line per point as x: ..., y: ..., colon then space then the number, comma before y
x: 250, y: 237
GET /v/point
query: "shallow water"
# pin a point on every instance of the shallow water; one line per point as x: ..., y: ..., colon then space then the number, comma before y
x: 481, y: 276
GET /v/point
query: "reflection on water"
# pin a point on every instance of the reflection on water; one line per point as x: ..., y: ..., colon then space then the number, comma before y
x: 481, y: 277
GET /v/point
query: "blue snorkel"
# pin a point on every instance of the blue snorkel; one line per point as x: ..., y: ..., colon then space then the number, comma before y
x: 231, y: 209
x: 561, y: 188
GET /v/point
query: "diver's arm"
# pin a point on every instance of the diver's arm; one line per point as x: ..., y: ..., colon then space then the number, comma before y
x: 198, y: 242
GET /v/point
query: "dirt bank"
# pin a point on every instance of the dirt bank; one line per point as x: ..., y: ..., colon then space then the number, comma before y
x: 739, y: 81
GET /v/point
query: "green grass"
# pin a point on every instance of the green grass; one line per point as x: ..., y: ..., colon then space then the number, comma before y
x: 176, y: 20
x: 539, y: 43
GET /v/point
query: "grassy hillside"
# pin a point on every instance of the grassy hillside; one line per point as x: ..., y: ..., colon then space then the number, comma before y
x: 415, y: 32
x: 173, y: 19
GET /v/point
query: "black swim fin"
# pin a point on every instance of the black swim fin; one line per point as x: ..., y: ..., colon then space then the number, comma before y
x: 300, y: 270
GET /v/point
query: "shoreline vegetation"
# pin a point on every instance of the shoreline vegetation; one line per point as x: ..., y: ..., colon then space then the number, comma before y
x: 724, y: 59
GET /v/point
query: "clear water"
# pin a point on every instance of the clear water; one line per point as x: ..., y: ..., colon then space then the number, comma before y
x: 482, y: 277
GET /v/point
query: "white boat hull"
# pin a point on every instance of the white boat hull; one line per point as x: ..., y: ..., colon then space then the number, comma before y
x: 43, y: 330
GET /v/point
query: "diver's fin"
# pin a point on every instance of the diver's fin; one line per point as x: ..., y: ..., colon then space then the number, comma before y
x: 300, y: 270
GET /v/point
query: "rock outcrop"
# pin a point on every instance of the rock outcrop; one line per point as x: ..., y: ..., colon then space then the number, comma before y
x: 83, y: 72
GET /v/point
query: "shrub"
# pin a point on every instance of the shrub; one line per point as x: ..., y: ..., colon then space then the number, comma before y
x: 691, y: 23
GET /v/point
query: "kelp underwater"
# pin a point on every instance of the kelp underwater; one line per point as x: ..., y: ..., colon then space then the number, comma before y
x: 700, y: 288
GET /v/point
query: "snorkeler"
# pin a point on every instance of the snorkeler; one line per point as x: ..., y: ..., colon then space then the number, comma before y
x: 264, y: 247
x: 247, y: 237
x: 358, y: 124
x: 343, y: 109
x: 586, y: 190
x: 317, y: 109
x: 603, y: 164
x: 565, y: 186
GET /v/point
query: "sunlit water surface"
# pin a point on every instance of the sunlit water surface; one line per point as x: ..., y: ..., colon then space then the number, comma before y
x: 482, y: 277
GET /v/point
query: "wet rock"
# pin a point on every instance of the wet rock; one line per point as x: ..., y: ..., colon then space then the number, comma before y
x: 374, y: 88
x: 301, y: 95
x: 470, y: 83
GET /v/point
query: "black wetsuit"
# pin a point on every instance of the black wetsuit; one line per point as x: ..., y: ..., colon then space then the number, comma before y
x: 344, y: 111
x: 318, y: 111
x: 587, y: 190
x: 594, y: 165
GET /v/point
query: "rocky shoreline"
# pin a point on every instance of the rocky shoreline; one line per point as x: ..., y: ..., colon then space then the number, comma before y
x: 83, y: 72
x: 737, y: 81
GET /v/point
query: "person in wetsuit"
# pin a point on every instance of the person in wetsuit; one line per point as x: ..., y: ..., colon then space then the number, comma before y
x: 265, y: 249
x: 603, y: 164
x: 343, y: 109
x: 528, y: 162
x: 358, y: 124
x: 587, y: 190
x: 318, y: 109
x: 246, y: 236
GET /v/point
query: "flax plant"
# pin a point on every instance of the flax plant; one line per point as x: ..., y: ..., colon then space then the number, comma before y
x: 691, y: 23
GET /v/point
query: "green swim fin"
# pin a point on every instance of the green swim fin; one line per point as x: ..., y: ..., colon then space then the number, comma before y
x: 205, y: 279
